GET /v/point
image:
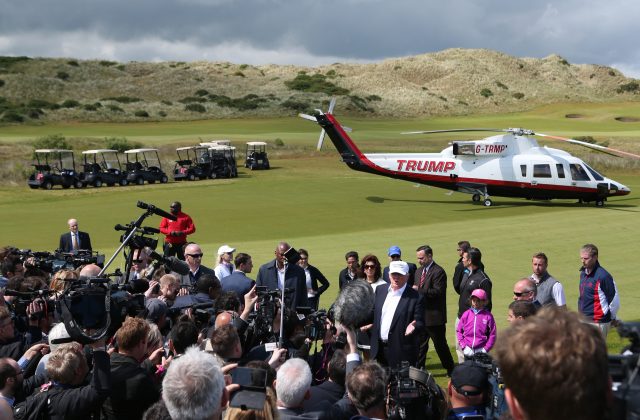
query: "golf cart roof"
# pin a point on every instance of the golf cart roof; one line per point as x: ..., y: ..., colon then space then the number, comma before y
x: 222, y: 147
x: 53, y: 151
x: 140, y: 150
x: 96, y: 151
x: 256, y: 143
x: 191, y: 148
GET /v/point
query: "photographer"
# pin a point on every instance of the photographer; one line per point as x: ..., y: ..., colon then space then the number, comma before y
x: 166, y: 289
x: 467, y: 391
x: 14, y: 344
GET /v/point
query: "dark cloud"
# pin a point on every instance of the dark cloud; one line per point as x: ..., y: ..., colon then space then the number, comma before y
x: 314, y: 32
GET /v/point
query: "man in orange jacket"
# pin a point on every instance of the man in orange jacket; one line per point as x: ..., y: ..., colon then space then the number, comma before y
x: 176, y: 231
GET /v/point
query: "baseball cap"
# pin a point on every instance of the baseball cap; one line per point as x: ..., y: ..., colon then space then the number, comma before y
x: 398, y: 267
x: 471, y: 374
x: 155, y: 309
x: 224, y: 249
x: 480, y: 294
x: 394, y: 250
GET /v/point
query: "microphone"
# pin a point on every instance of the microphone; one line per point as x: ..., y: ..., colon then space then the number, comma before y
x: 120, y: 227
x: 150, y: 231
x: 172, y: 263
x: 159, y: 212
x: 354, y: 305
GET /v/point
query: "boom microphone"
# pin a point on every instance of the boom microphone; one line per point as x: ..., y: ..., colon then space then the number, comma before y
x: 153, y: 209
x: 354, y: 305
x: 172, y: 263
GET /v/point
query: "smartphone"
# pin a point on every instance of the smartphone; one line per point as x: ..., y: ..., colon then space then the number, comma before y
x: 249, y: 378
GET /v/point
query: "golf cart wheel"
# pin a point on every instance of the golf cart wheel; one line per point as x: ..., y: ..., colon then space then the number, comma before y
x: 140, y: 181
x: 123, y: 182
x: 47, y: 185
x: 254, y: 166
x: 266, y: 165
x: 79, y: 184
x: 476, y: 197
x: 164, y: 179
x: 191, y: 177
x: 487, y: 203
x: 97, y: 183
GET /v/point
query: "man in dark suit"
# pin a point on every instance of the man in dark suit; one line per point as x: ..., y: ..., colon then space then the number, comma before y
x: 74, y: 240
x: 431, y: 282
x: 278, y: 271
x: 193, y: 256
x: 238, y: 281
x: 350, y: 272
x: 331, y: 390
x: 398, y: 318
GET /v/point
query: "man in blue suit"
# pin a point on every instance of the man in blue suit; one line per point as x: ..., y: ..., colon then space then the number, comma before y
x: 398, y: 317
x: 74, y: 240
x: 238, y: 281
x: 279, y: 271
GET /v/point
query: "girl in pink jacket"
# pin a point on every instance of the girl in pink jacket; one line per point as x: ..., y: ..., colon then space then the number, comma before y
x: 477, y: 329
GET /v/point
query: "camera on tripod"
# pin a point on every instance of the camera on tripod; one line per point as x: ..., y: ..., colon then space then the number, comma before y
x: 624, y: 371
x: 412, y: 394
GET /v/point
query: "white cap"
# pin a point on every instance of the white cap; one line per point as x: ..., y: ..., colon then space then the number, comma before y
x: 400, y: 267
x: 224, y: 249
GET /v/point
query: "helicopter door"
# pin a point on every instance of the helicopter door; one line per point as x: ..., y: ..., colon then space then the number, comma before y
x: 579, y: 176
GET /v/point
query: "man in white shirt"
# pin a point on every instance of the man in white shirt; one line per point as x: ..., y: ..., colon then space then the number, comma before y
x: 398, y: 315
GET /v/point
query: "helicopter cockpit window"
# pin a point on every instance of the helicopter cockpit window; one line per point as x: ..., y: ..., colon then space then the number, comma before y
x: 594, y: 174
x: 542, y: 171
x: 523, y: 170
x: 578, y: 173
x: 560, y: 169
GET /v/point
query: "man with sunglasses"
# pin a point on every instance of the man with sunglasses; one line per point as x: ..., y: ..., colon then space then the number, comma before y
x: 193, y: 257
x: 176, y: 231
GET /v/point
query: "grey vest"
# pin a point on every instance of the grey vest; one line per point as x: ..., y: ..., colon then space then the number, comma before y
x: 545, y: 290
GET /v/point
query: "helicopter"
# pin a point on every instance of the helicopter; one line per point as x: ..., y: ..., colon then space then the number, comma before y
x: 511, y: 164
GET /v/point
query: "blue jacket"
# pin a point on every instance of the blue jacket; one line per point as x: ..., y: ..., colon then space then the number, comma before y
x: 597, y: 293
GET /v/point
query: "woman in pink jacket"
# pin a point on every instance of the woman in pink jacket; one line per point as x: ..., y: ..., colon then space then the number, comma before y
x: 477, y: 329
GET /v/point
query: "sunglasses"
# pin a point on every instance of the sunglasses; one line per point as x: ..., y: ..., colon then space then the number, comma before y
x: 518, y: 294
x: 368, y: 266
x: 194, y: 255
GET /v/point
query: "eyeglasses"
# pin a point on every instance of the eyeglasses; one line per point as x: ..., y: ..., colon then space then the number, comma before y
x: 521, y: 293
x: 194, y: 255
x: 369, y: 266
x: 303, y: 259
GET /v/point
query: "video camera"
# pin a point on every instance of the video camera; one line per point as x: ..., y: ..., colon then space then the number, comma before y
x: 413, y: 393
x: 24, y: 299
x: 496, y: 404
x: 624, y: 369
x: 52, y: 262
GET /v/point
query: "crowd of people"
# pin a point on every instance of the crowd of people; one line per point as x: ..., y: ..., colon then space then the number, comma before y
x: 187, y: 336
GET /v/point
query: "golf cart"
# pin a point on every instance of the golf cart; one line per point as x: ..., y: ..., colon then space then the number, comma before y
x: 102, y: 166
x: 54, y: 167
x: 144, y: 165
x: 223, y: 159
x: 211, y: 143
x: 193, y: 162
x: 256, y: 155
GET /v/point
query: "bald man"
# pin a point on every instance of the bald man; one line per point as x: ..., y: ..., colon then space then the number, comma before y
x: 74, y: 240
x: 278, y: 271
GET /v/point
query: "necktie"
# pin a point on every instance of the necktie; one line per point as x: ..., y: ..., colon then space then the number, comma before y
x: 423, y: 276
x: 74, y: 239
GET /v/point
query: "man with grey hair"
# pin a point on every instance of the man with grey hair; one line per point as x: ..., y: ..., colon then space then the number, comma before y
x: 74, y: 240
x: 524, y: 289
x: 194, y: 388
x: 292, y: 387
x: 599, y: 300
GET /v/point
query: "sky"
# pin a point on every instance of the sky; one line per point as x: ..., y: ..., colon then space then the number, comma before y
x: 316, y: 32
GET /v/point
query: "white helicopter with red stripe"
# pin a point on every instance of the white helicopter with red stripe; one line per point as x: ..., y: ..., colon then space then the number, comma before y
x: 511, y: 164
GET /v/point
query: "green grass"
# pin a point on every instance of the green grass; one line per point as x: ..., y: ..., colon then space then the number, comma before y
x: 317, y: 203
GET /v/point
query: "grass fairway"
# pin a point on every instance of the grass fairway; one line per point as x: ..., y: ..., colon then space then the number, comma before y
x: 319, y: 204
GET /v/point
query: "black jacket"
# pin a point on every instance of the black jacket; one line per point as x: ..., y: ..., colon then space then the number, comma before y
x: 317, y: 276
x: 133, y: 390
x: 471, y: 281
x: 294, y: 279
x: 66, y: 244
x: 344, y: 278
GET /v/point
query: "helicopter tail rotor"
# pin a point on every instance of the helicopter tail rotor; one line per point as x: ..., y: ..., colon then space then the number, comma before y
x: 332, y: 105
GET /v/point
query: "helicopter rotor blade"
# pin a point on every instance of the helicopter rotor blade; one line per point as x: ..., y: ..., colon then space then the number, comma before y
x: 603, y: 149
x: 457, y: 130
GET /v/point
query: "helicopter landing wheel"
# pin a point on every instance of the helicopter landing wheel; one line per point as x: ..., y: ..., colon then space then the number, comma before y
x: 599, y: 203
x: 476, y: 197
x: 487, y: 202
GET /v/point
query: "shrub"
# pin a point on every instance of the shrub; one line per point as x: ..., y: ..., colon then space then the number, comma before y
x: 73, y: 63
x: 114, y: 108
x: 295, y: 105
x: 89, y: 107
x: 70, y: 103
x: 359, y: 102
x: 191, y: 99
x: 141, y: 113
x: 486, y: 92
x: 1, y: 82
x: 501, y: 85
x: 7, y: 62
x: 239, y: 73
x: 315, y: 83
x: 243, y: 66
x: 121, y: 144
x: 612, y: 73
x: 34, y: 113
x: 564, y: 62
x: 41, y: 103
x: 331, y: 74
x: 195, y: 108
x: 278, y: 142
x: 631, y: 87
x: 122, y: 99
x: 120, y: 67
x: 162, y: 114
x: 107, y: 63
x: 62, y: 75
x: 372, y: 98
x: 202, y: 92
x: 518, y: 95
x: 12, y: 117
x: 166, y: 102
x: 51, y: 141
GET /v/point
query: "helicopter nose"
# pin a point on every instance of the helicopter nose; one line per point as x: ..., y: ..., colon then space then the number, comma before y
x: 618, y: 189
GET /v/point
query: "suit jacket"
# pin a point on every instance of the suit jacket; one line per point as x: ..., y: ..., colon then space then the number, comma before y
x: 294, y: 278
x: 237, y: 282
x: 410, y: 308
x: 434, y: 294
x: 328, y: 391
x: 317, y: 276
x: 66, y: 244
x: 187, y: 281
x: 344, y: 279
